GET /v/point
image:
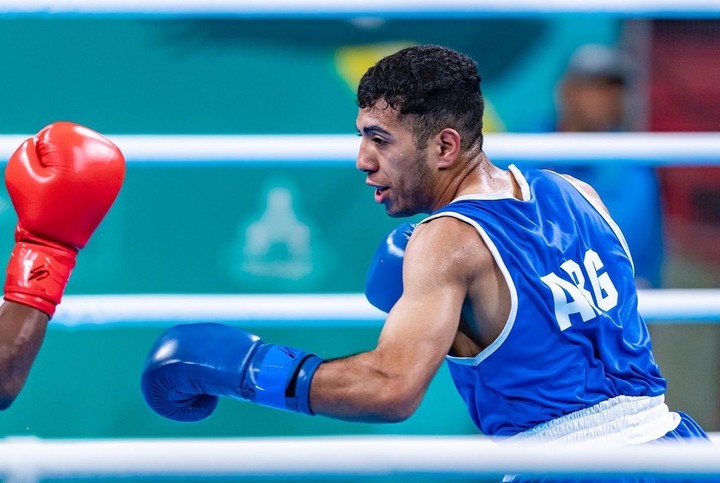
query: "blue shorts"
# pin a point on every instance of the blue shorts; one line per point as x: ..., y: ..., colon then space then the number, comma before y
x: 688, y: 429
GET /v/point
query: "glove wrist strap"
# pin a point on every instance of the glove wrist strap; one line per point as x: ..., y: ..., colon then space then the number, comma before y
x: 280, y: 377
x: 37, y: 275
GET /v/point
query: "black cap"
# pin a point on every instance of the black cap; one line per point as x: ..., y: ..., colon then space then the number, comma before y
x: 596, y: 61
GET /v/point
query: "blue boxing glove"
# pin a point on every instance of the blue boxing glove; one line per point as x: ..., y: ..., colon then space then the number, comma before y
x: 383, y: 282
x: 190, y: 365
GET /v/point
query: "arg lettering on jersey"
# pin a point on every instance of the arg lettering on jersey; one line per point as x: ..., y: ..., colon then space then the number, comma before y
x: 588, y: 292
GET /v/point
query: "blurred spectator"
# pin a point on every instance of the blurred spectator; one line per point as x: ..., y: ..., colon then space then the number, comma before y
x: 592, y: 97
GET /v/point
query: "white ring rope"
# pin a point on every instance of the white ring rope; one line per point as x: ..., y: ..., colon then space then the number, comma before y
x: 551, y: 148
x: 346, y: 8
x: 296, y: 310
x: 319, y: 310
x: 28, y: 459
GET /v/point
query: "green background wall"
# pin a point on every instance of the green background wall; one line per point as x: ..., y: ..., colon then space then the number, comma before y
x: 190, y: 230
x: 231, y: 76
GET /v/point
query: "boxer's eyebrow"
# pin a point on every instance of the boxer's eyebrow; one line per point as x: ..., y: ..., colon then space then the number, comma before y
x: 372, y: 130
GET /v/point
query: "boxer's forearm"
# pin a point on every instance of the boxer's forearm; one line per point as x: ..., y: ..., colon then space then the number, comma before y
x: 364, y: 388
x: 22, y: 330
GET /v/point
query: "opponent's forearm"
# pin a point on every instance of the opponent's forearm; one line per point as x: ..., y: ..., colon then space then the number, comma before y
x: 22, y: 330
x: 361, y: 388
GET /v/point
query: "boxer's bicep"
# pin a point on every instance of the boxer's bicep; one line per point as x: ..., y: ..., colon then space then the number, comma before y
x: 389, y: 382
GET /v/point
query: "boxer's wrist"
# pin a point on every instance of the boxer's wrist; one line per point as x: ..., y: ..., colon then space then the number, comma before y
x: 280, y: 377
x: 37, y: 274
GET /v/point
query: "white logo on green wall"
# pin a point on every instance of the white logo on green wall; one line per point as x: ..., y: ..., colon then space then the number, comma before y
x: 276, y: 244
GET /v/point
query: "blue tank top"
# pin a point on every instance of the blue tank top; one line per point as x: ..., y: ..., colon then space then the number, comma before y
x: 574, y: 337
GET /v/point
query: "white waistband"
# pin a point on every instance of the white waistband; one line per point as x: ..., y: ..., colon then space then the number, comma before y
x: 620, y: 420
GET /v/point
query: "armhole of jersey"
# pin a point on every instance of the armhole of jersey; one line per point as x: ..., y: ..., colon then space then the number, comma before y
x: 606, y: 216
x: 489, y: 350
x: 520, y: 178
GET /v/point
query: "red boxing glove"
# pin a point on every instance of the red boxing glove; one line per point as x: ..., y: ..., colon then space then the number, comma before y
x: 61, y: 182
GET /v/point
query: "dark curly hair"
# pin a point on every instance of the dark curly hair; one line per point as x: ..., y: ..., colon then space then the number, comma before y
x: 438, y: 85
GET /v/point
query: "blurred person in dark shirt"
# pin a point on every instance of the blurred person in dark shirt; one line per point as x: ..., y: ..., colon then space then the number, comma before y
x: 592, y: 96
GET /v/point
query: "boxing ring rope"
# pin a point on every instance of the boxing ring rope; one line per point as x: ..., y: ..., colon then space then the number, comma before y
x: 319, y: 310
x: 353, y: 8
x: 29, y: 459
x: 672, y: 149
